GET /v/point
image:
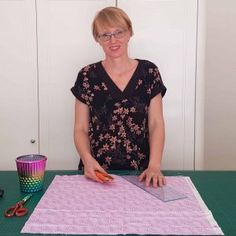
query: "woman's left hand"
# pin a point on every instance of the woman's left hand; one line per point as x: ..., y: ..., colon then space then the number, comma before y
x: 153, y: 176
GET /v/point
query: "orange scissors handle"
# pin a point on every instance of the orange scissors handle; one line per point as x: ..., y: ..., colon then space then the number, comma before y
x: 10, y: 211
x: 21, y: 211
x: 103, y: 176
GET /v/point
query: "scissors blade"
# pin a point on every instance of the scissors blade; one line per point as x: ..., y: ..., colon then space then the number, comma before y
x: 26, y: 198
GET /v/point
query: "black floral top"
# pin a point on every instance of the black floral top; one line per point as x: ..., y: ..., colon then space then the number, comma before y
x: 118, y: 125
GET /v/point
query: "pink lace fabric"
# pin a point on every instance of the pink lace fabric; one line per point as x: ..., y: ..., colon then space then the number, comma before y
x: 76, y: 205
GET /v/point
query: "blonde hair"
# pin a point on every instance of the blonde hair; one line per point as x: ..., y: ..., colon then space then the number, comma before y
x: 110, y: 17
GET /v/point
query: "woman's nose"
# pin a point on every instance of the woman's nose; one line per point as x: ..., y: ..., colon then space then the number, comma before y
x: 113, y: 39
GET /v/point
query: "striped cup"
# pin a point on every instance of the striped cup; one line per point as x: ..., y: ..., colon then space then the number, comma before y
x: 31, y: 170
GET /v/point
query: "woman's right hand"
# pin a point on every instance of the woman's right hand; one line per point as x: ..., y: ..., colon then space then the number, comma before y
x: 90, y: 166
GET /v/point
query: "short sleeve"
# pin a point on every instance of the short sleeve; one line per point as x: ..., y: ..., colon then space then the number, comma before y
x: 156, y: 84
x: 80, y: 88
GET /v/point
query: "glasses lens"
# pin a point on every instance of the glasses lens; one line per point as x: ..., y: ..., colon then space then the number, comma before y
x: 119, y: 34
x: 104, y: 37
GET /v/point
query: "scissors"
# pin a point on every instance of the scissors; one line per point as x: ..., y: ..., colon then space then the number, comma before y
x: 18, y: 209
x: 103, y: 176
x: 1, y: 192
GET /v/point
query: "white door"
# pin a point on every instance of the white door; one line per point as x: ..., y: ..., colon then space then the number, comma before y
x: 18, y: 77
x: 165, y: 33
x: 65, y: 45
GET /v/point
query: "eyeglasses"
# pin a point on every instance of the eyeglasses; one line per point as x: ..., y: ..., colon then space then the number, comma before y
x: 118, y: 34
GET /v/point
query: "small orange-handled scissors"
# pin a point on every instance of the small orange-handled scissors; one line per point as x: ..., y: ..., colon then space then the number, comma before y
x: 18, y: 209
x: 103, y: 176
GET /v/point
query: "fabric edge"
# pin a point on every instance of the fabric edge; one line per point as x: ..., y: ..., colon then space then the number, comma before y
x: 204, y: 207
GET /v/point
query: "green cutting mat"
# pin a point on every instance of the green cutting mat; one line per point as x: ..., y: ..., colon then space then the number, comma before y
x: 217, y: 189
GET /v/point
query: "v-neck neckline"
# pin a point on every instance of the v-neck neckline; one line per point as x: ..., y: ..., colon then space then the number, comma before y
x: 114, y: 89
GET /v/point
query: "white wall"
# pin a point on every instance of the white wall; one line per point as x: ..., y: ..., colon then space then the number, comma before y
x: 220, y: 85
x: 215, y: 85
x: 61, y: 42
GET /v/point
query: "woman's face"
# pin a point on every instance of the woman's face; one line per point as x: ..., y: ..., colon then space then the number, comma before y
x: 114, y: 41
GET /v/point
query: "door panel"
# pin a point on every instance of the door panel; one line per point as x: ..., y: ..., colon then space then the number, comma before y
x: 18, y: 75
x: 165, y: 33
x: 65, y: 46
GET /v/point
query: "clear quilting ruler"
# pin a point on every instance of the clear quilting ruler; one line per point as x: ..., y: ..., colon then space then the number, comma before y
x: 164, y: 193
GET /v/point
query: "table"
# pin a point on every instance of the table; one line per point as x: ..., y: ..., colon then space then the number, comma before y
x: 217, y: 189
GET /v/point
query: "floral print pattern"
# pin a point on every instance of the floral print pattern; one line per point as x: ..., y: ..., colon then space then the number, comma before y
x: 118, y: 125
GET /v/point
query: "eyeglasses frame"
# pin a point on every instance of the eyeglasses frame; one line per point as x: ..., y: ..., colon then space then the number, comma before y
x: 112, y: 34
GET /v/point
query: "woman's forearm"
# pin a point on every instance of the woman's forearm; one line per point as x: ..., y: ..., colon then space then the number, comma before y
x: 156, y: 142
x: 82, y: 144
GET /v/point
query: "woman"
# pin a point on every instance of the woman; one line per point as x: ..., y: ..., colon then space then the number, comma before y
x: 118, y: 111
